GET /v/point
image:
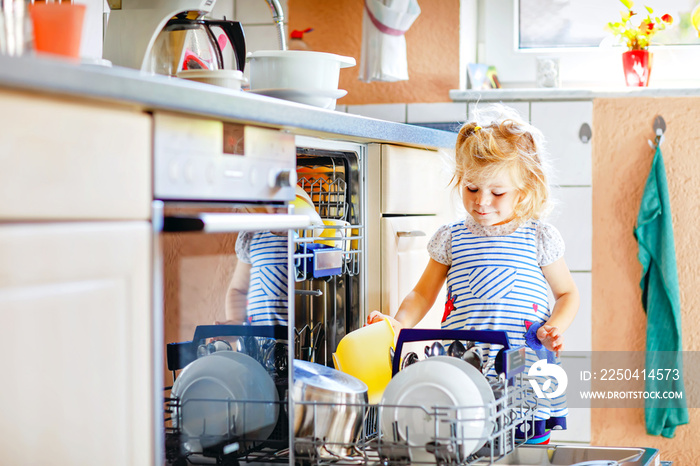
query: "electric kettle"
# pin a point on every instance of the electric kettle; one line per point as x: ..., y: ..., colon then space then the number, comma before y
x: 190, y: 44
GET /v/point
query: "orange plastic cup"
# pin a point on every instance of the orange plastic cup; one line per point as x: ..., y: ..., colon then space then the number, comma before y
x: 58, y: 28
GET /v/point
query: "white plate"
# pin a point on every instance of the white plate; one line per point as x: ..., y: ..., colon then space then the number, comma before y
x: 429, y: 383
x: 486, y: 397
x: 260, y: 416
x: 225, y: 375
x: 202, y: 417
x: 315, y: 97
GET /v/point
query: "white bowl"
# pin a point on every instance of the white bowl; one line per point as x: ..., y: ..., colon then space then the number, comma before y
x: 231, y: 79
x: 296, y: 69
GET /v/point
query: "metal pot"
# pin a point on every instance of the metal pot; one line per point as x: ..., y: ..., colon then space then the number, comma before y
x: 329, y: 408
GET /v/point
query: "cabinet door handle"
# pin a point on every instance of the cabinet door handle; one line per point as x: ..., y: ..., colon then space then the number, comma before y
x: 404, y: 234
x: 585, y: 133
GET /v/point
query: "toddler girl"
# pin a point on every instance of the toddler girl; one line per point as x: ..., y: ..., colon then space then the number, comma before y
x: 498, y: 262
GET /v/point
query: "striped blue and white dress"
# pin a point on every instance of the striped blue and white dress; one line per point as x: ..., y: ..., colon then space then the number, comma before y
x: 267, y: 293
x: 495, y: 282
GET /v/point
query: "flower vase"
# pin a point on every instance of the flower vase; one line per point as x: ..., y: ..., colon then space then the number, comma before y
x: 637, y: 67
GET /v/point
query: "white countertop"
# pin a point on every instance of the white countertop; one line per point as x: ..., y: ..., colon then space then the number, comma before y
x: 154, y: 92
x: 530, y: 94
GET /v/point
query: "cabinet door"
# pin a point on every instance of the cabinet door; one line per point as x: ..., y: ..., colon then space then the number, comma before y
x: 561, y: 123
x: 76, y: 350
x: 414, y: 181
x: 573, y: 217
x: 73, y: 161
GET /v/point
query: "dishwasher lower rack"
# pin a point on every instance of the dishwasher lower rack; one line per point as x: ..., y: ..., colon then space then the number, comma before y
x: 448, y: 427
x: 378, y: 442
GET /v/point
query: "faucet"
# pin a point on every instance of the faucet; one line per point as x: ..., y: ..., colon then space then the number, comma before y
x: 278, y: 17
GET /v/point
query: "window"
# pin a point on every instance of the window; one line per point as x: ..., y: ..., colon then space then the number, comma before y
x: 581, y: 23
x: 590, y: 57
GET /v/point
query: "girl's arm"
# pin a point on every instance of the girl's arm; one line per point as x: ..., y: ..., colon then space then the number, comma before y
x: 419, y: 301
x: 566, y: 304
x: 237, y: 295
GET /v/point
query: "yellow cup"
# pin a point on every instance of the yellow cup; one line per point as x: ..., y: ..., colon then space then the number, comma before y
x: 364, y: 354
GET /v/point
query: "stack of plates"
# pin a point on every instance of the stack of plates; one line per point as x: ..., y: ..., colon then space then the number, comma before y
x: 315, y: 97
x: 463, y: 395
x: 224, y: 396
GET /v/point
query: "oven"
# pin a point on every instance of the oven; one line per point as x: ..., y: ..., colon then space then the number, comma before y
x: 239, y: 266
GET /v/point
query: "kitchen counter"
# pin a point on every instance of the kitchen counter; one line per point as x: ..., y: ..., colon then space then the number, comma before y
x: 566, y: 94
x: 149, y: 92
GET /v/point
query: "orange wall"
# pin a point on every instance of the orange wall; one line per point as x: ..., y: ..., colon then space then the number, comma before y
x: 621, y: 163
x: 432, y: 45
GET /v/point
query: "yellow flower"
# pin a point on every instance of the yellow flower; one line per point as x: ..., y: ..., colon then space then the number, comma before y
x: 638, y: 37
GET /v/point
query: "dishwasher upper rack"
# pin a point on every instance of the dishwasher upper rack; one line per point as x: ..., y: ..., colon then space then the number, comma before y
x: 324, y: 181
x: 347, y: 244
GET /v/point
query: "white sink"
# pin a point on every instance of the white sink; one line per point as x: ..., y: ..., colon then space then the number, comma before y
x: 569, y: 455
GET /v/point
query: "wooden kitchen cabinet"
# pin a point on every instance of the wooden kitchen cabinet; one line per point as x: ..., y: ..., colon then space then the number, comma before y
x: 75, y: 306
x: 76, y: 256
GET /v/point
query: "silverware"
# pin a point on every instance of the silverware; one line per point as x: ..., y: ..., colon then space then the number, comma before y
x: 410, y: 358
x: 316, y: 337
x: 456, y: 349
x: 213, y: 347
x: 436, y: 349
x: 474, y: 356
x: 276, y: 359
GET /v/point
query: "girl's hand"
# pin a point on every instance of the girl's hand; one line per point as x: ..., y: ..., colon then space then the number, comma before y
x: 376, y: 316
x: 551, y: 338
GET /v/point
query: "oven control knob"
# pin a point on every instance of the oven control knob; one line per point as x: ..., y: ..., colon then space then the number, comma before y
x: 284, y: 178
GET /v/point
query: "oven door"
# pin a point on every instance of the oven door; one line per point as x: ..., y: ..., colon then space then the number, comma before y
x: 217, y: 263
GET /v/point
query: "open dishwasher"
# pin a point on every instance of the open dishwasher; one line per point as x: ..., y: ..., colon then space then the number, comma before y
x: 328, y: 267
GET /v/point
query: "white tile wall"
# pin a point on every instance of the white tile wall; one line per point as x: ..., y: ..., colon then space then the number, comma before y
x: 387, y: 112
x: 523, y: 108
x: 257, y: 11
x: 261, y: 37
x: 223, y: 9
x: 444, y: 112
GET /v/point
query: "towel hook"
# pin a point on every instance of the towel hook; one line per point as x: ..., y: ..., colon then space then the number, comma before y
x: 659, y: 130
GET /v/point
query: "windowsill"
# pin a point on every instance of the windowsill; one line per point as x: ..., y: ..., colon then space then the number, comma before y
x: 515, y: 94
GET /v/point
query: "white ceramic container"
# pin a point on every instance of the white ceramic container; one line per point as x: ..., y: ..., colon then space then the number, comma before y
x: 298, y: 75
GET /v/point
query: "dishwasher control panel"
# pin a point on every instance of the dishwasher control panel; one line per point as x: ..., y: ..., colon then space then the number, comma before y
x: 198, y: 159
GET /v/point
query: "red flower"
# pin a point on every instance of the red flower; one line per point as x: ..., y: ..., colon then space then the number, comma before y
x: 667, y: 18
x: 646, y: 28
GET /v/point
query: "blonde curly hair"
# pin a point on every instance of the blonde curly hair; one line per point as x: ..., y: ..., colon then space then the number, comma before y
x: 496, y: 139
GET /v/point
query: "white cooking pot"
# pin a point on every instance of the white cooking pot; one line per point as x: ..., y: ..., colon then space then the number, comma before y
x: 296, y: 69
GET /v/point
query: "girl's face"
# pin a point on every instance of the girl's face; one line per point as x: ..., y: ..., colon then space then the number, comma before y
x: 491, y: 202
